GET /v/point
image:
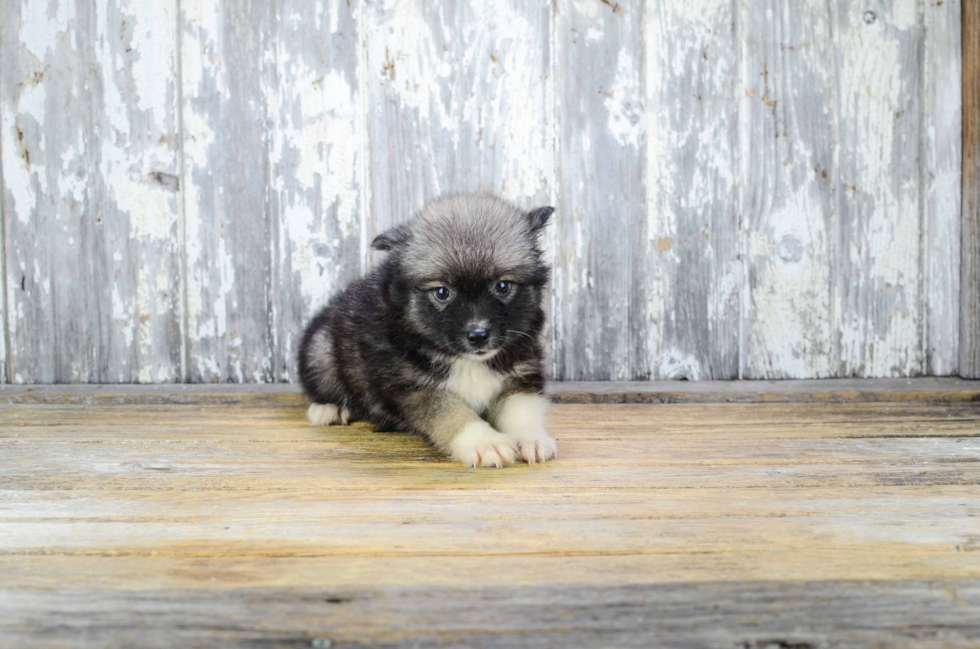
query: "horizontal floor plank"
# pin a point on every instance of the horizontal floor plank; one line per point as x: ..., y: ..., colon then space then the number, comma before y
x: 744, y: 615
x: 263, y: 567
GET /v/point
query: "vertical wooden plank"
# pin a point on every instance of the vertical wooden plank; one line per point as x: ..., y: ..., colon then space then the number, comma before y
x: 599, y: 90
x: 228, y: 67
x: 4, y: 341
x: 506, y: 139
x: 4, y: 311
x: 689, y: 311
x: 787, y: 166
x: 88, y: 121
x: 878, y: 283
x: 969, y: 360
x: 317, y: 161
x: 942, y: 130
x: 413, y: 66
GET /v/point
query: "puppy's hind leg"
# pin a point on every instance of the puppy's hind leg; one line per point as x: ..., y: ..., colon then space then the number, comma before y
x: 318, y: 374
x: 325, y: 414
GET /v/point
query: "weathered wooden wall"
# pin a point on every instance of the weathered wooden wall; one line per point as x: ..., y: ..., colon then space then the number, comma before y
x: 755, y: 189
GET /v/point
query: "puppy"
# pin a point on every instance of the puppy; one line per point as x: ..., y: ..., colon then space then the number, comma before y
x: 441, y: 339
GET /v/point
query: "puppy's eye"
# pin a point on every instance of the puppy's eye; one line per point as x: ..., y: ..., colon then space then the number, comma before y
x: 502, y: 287
x: 442, y: 294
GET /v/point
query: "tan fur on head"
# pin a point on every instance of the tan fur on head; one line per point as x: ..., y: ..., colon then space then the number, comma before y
x: 478, y: 231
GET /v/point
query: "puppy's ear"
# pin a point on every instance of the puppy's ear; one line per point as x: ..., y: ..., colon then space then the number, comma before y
x: 538, y: 218
x: 393, y: 238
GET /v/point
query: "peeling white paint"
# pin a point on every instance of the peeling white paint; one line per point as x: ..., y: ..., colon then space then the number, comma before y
x: 879, y: 183
x: 787, y: 175
x: 87, y: 135
x: 503, y: 85
x: 122, y: 315
x: 474, y: 95
x: 40, y: 31
x: 211, y: 272
x: 691, y: 309
x: 675, y: 364
x: 942, y: 164
x: 624, y: 101
x: 19, y: 179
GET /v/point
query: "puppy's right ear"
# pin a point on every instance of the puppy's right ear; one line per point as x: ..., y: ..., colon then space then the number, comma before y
x: 393, y: 238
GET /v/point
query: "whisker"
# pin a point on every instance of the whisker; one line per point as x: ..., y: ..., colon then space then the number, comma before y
x: 520, y: 333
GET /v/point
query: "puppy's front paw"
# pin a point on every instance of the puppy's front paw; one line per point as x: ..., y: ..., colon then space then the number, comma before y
x: 480, y: 445
x: 524, y: 418
x: 321, y: 414
x: 535, y: 445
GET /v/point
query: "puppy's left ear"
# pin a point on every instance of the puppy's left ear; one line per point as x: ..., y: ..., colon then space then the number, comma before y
x: 538, y: 218
x: 396, y: 236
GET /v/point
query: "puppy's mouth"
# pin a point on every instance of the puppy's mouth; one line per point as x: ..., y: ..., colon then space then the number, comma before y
x: 481, y: 354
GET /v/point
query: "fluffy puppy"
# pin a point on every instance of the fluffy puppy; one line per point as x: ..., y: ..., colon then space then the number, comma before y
x: 441, y: 339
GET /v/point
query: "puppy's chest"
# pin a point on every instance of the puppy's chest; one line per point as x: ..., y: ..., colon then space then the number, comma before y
x: 475, y: 383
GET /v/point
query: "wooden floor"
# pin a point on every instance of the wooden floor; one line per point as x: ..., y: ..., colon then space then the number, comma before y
x: 736, y: 525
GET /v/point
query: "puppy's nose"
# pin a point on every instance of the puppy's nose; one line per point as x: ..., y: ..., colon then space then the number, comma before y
x: 477, y: 336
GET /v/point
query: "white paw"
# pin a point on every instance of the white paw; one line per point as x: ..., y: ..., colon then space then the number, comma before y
x: 524, y: 418
x: 325, y: 414
x: 535, y: 446
x: 480, y: 445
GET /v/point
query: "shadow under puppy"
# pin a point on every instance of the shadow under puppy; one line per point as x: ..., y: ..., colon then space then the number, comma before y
x: 441, y: 339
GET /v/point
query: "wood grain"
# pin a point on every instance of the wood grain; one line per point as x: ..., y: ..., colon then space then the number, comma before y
x: 228, y: 74
x: 503, y: 70
x: 753, y: 615
x: 317, y: 194
x: 969, y: 359
x: 877, y: 285
x: 788, y: 174
x: 89, y: 121
x: 683, y: 520
x: 411, y: 56
x: 941, y: 165
x: 600, y: 96
x: 4, y: 310
x: 689, y: 309
x: 221, y: 172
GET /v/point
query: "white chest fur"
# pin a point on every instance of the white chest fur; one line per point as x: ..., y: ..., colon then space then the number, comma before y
x: 474, y: 382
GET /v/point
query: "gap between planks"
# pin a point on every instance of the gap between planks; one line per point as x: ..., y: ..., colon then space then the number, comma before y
x: 924, y: 390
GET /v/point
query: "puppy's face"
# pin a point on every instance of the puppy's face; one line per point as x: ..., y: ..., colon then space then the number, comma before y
x: 472, y: 274
x: 475, y: 315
